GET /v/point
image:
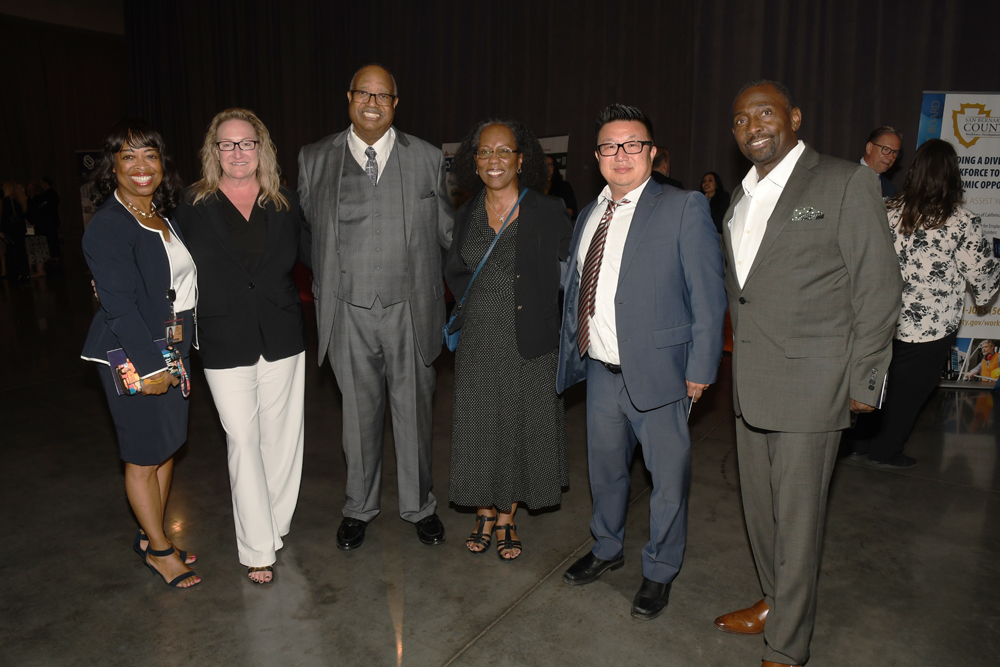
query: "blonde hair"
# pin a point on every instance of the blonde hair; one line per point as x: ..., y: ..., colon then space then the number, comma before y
x: 268, y: 173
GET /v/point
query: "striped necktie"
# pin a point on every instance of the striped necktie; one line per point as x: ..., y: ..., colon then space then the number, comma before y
x: 588, y: 282
x: 371, y: 167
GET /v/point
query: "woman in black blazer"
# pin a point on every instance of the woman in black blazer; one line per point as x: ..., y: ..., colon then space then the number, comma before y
x: 146, y: 282
x: 508, y: 423
x: 245, y: 234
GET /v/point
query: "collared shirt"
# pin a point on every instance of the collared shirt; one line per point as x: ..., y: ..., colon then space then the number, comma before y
x: 603, y: 329
x: 383, y: 147
x: 750, y: 217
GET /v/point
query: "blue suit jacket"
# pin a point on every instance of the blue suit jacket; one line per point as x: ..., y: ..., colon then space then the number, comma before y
x: 670, y: 303
x: 132, y: 272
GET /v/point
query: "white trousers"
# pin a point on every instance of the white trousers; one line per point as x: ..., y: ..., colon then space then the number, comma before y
x: 262, y: 410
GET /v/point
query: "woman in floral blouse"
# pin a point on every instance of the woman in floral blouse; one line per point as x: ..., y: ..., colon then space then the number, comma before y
x: 941, y: 249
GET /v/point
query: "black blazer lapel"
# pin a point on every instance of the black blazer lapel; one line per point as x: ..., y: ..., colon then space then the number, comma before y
x: 216, y: 220
x: 275, y: 220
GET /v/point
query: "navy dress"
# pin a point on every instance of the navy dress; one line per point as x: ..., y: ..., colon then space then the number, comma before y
x: 133, y: 274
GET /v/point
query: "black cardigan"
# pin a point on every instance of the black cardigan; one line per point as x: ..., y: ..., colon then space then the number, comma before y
x: 244, y: 316
x: 544, y: 233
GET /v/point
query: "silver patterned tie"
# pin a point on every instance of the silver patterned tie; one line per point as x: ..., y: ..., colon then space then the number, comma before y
x: 371, y: 167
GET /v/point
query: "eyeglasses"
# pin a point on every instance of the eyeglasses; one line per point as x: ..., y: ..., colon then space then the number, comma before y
x: 501, y: 153
x: 886, y: 150
x: 245, y: 145
x: 363, y: 97
x: 631, y: 147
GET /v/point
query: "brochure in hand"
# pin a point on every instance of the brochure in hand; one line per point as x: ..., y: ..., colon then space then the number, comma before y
x: 127, y: 380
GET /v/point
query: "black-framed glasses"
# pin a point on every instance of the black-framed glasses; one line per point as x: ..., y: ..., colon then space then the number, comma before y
x: 363, y: 97
x: 501, y: 153
x: 245, y: 145
x: 631, y: 147
x: 886, y: 150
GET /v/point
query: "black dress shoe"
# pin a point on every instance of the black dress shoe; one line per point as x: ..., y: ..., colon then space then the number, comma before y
x: 351, y: 533
x: 590, y: 568
x: 651, y: 600
x: 430, y: 530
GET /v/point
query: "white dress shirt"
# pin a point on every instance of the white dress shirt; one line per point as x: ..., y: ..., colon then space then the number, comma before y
x: 750, y: 217
x: 603, y: 329
x: 383, y: 148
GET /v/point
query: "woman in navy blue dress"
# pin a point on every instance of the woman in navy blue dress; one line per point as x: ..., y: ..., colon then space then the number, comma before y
x: 147, y: 285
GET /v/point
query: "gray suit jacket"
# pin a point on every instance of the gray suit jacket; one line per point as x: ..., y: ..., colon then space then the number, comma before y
x: 427, y: 217
x: 813, y: 323
x: 670, y: 303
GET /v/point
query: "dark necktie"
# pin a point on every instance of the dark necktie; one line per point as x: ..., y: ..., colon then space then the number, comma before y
x: 371, y: 167
x: 588, y: 282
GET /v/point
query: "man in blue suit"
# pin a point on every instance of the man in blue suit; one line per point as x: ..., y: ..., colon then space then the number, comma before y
x: 642, y: 323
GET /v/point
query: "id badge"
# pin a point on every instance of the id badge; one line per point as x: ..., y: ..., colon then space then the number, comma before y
x: 175, y: 331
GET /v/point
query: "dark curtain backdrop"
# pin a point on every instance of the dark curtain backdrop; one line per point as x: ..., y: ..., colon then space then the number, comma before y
x: 62, y: 89
x: 852, y: 65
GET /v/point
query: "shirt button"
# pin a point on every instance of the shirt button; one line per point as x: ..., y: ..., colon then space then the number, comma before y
x: 250, y: 286
x: 742, y: 300
x: 518, y: 275
x: 740, y: 263
x: 519, y: 307
x: 376, y: 215
x: 748, y: 232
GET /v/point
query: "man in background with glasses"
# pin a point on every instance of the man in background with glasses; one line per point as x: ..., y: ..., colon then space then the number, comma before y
x: 881, y: 153
x: 378, y: 208
x: 642, y: 323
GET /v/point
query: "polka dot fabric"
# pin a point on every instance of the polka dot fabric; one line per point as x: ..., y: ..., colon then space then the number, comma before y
x: 508, y: 440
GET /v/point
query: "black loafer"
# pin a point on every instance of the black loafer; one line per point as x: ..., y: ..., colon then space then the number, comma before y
x: 651, y: 600
x: 430, y: 530
x: 590, y: 568
x: 351, y: 533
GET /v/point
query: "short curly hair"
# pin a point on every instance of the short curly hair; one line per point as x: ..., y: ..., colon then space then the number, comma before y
x: 533, y: 174
x: 135, y: 133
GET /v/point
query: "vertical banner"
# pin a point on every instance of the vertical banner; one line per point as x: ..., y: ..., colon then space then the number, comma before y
x: 556, y: 147
x: 971, y: 123
x: 85, y: 163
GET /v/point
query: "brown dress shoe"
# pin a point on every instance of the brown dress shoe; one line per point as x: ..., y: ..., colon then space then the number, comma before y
x: 768, y: 663
x: 748, y: 621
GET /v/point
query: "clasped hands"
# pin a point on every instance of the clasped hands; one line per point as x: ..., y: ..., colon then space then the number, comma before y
x: 158, y: 384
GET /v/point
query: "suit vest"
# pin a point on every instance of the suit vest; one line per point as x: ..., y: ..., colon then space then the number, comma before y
x: 373, y: 258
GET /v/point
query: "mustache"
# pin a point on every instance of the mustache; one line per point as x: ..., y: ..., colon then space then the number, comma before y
x: 757, y: 137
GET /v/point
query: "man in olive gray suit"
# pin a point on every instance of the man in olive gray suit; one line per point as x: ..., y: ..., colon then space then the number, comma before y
x: 814, y: 292
x: 378, y: 208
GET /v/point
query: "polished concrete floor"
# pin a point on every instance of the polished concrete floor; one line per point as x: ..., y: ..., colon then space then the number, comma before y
x: 910, y: 576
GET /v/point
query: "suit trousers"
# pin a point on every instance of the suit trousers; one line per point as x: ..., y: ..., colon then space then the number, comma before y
x: 614, y: 427
x: 370, y: 348
x: 262, y: 410
x: 784, y: 479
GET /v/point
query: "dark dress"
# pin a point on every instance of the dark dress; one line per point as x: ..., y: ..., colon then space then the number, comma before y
x: 508, y: 424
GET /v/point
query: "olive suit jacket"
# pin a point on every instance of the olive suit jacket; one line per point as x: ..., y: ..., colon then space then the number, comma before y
x: 814, y: 320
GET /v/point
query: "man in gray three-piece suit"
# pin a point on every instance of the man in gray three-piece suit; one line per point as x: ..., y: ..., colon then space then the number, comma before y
x: 642, y: 324
x: 377, y: 205
x: 814, y: 291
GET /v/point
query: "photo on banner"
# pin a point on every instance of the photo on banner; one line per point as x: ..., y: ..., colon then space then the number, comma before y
x: 971, y: 123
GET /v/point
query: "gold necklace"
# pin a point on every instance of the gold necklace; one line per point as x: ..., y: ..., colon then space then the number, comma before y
x: 148, y: 216
x: 499, y: 215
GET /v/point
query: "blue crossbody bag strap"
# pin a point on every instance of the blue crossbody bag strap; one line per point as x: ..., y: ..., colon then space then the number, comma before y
x: 451, y: 339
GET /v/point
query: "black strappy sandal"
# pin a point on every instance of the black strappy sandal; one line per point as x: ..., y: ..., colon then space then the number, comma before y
x: 161, y: 554
x: 266, y: 568
x: 481, y: 537
x: 506, y: 543
x: 140, y: 536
